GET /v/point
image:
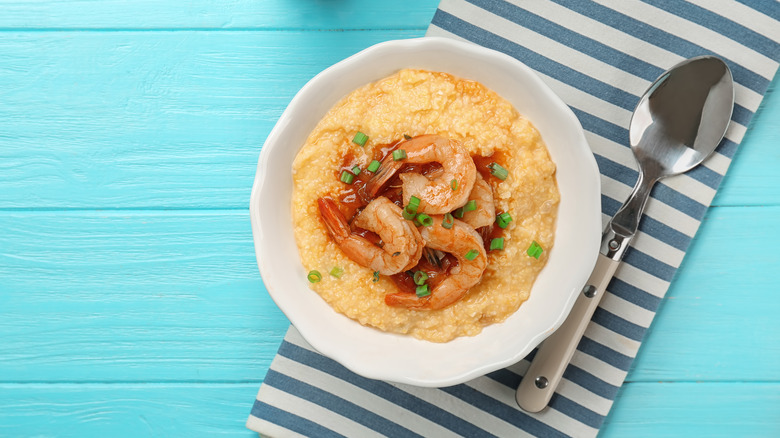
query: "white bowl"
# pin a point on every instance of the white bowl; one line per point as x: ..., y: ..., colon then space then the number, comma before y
x: 404, y: 359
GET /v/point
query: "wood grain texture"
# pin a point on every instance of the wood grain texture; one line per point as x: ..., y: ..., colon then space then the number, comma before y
x: 177, y: 119
x: 220, y: 14
x: 690, y: 409
x: 140, y: 120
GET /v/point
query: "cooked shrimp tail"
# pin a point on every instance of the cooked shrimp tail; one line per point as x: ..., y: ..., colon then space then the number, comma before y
x: 333, y: 219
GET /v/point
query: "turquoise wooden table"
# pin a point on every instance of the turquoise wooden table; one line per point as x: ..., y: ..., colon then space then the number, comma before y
x: 130, y: 302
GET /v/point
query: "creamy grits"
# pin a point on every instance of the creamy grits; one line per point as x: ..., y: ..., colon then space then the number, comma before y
x: 413, y: 103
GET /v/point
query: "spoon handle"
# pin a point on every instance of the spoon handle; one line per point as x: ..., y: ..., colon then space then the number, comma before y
x: 552, y: 357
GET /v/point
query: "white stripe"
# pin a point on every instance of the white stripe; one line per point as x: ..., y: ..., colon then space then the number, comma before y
x: 352, y: 393
x: 464, y: 410
x: 265, y: 428
x: 697, y: 34
x: 549, y: 416
x: 743, y: 15
x: 642, y: 280
x: 584, y: 397
x: 657, y: 249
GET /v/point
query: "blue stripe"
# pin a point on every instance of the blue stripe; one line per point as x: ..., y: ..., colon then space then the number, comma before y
x: 290, y: 421
x: 721, y: 25
x: 576, y: 411
x: 503, y: 411
x: 634, y: 295
x: 665, y: 40
x: 770, y: 8
x: 741, y: 114
x: 618, y: 325
x: 569, y: 38
x: 336, y: 404
x: 605, y: 354
x: 727, y: 148
x: 381, y: 389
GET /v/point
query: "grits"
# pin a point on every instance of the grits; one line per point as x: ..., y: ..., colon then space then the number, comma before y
x: 416, y: 102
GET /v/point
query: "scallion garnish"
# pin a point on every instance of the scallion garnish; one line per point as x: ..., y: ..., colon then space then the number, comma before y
x: 314, y: 276
x: 360, y: 138
x: 424, y: 220
x: 411, y: 209
x: 454, y: 185
x: 356, y: 170
x: 374, y: 166
x: 376, y: 276
x: 472, y: 254
x: 347, y: 177
x: 470, y: 206
x: 458, y: 213
x: 420, y: 277
x: 498, y: 171
x: 503, y: 220
x: 534, y: 250
x: 497, y: 243
x: 448, y: 221
x: 423, y: 291
x: 399, y: 154
x: 336, y: 271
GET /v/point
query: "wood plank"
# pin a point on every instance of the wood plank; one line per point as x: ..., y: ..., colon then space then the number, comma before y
x: 695, y: 410
x: 220, y: 14
x: 160, y: 296
x: 149, y: 119
x: 719, y: 319
x: 129, y: 296
x: 126, y: 410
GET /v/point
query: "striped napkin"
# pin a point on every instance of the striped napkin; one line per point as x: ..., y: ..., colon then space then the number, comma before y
x: 599, y: 56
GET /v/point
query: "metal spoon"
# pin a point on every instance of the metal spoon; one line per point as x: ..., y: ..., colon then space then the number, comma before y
x: 678, y: 122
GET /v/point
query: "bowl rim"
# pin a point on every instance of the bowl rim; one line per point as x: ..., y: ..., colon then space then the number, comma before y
x: 307, y: 330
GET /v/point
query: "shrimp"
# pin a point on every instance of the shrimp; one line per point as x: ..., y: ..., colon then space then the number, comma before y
x: 460, y: 240
x: 441, y: 193
x: 485, y: 213
x: 403, y: 245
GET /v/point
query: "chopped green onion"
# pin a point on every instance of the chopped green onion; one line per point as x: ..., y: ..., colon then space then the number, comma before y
x: 458, y: 213
x: 409, y: 213
x: 503, y: 220
x: 314, y: 276
x: 356, y: 170
x: 454, y: 185
x: 399, y: 154
x: 534, y: 250
x: 408, y: 137
x: 376, y: 276
x: 498, y: 171
x: 471, y: 255
x: 470, y: 206
x: 336, y: 272
x: 374, y: 166
x: 411, y: 209
x: 423, y: 291
x: 448, y: 221
x: 424, y: 220
x: 420, y: 277
x: 497, y: 243
x: 347, y: 177
x: 360, y: 138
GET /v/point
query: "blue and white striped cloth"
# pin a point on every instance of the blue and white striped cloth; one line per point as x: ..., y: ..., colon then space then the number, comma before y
x: 599, y: 56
